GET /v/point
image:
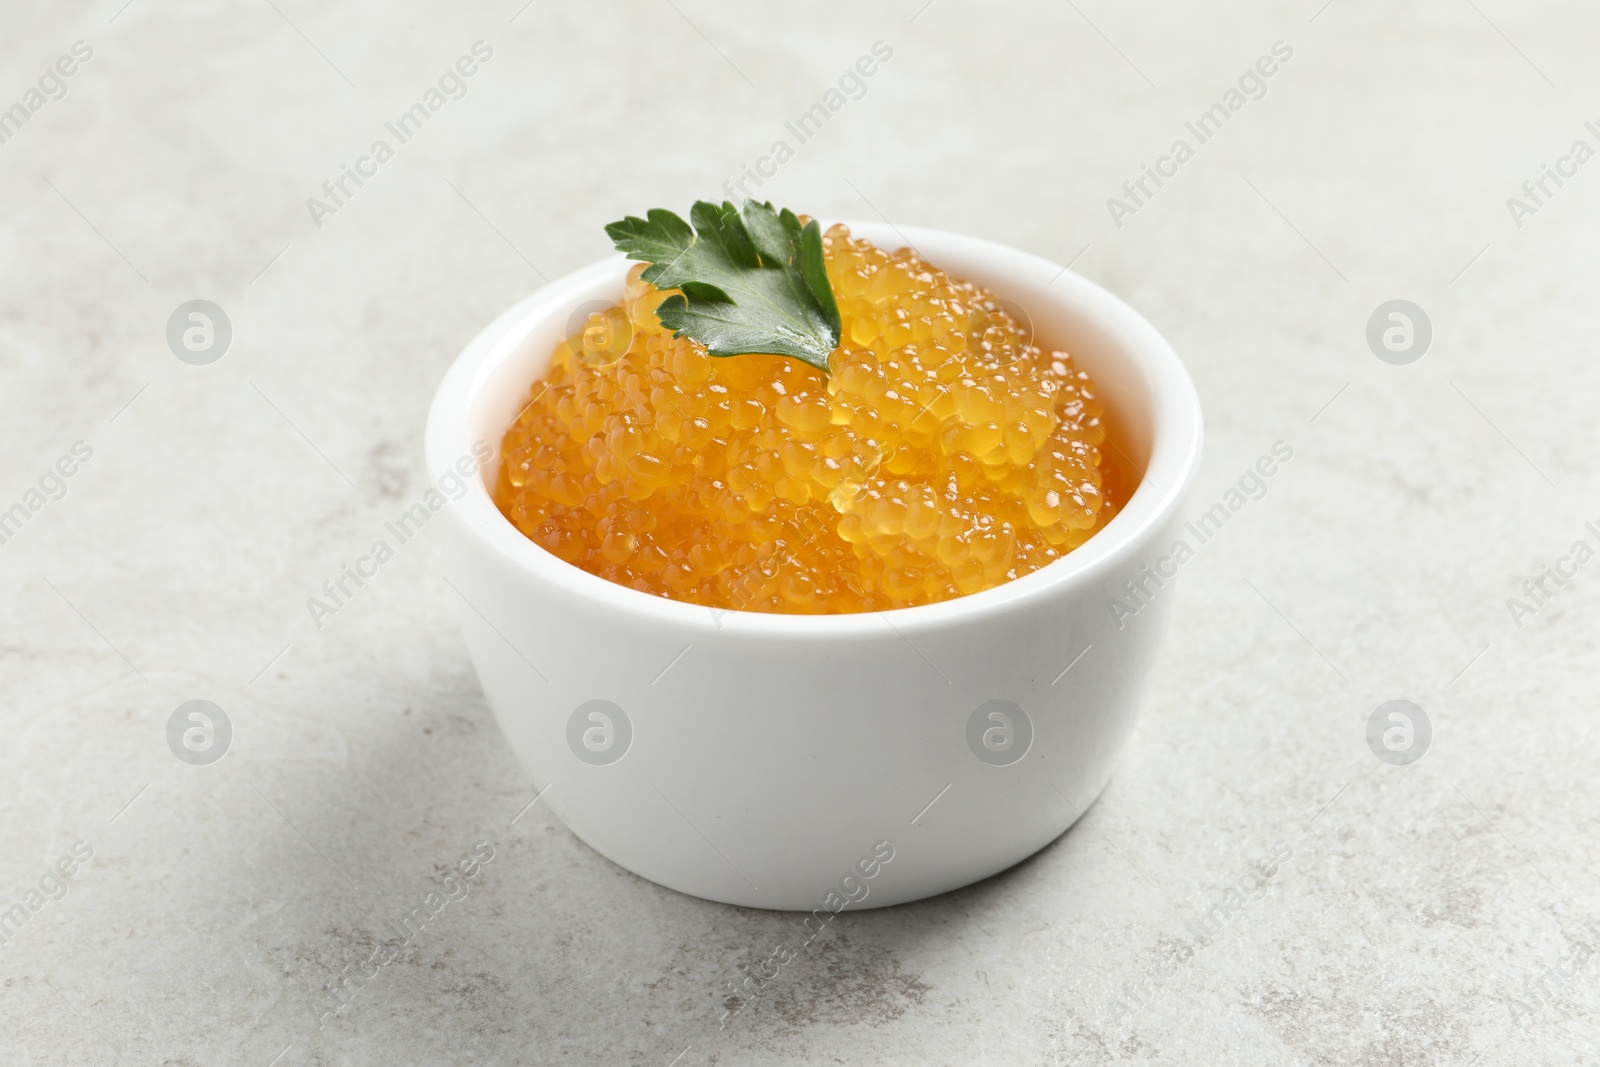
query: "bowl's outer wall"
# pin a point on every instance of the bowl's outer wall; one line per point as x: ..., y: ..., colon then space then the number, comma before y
x: 762, y: 769
x: 759, y: 773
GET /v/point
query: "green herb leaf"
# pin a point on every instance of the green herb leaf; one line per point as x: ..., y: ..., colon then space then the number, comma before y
x: 750, y: 284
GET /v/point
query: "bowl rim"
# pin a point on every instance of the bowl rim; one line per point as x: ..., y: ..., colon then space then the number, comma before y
x: 1174, y: 456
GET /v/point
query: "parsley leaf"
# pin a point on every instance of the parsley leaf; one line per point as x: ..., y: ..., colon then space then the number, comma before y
x: 750, y: 284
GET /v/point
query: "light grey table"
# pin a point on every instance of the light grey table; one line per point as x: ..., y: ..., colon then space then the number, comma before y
x: 1441, y: 912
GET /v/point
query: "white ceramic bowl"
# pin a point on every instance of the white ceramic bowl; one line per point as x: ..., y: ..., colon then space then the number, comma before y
x: 763, y: 760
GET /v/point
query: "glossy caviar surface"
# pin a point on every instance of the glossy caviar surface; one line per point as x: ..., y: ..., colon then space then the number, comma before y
x: 944, y: 454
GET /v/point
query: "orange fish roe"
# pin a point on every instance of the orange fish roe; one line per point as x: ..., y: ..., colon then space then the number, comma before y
x: 944, y: 454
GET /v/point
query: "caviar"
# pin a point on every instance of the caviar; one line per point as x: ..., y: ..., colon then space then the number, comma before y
x: 945, y: 453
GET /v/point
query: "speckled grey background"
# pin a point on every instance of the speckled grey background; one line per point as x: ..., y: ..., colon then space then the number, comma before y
x: 1439, y: 913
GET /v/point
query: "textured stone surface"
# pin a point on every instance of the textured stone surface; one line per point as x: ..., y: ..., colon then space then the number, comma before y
x: 1442, y: 912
